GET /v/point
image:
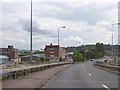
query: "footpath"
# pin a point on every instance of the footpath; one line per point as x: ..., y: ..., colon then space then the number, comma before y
x: 34, y: 80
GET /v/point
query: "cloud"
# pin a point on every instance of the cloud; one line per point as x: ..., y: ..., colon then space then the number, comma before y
x: 103, y: 23
x: 18, y: 40
x: 36, y: 28
x: 60, y: 1
x: 85, y: 21
x: 71, y: 41
x: 78, y: 11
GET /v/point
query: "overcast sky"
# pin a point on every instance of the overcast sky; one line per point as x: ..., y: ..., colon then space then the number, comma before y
x: 86, y: 21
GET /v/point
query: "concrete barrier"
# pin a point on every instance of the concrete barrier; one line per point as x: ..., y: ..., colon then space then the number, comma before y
x: 111, y: 68
x: 20, y: 72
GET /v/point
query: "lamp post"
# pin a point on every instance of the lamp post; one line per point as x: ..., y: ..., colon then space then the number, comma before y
x: 112, y: 38
x: 58, y: 39
x: 31, y: 35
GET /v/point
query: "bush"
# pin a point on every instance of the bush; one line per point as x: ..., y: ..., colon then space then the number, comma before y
x: 61, y: 59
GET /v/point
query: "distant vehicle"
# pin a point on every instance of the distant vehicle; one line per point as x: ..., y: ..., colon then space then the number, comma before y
x: 91, y: 59
x: 7, y: 65
x: 105, y: 60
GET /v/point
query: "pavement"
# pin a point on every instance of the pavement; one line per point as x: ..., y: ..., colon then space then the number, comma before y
x: 34, y: 80
x: 84, y: 75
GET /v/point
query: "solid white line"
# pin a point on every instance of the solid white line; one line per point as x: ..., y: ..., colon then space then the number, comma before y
x: 105, y: 87
x: 89, y: 74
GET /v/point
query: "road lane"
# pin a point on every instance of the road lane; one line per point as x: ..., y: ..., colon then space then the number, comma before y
x: 83, y: 75
x: 105, y: 77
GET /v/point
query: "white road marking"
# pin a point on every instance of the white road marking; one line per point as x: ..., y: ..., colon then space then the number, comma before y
x: 105, y: 87
x: 89, y: 74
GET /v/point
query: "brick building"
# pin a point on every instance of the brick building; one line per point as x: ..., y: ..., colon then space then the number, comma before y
x: 11, y: 52
x: 62, y: 52
x: 51, y: 51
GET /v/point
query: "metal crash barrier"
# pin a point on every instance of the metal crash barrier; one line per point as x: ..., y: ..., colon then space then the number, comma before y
x: 112, y: 68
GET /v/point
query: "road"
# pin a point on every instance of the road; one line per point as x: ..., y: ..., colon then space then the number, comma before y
x: 84, y: 75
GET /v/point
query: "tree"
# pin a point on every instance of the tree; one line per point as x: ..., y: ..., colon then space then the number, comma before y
x: 81, y: 56
x: 42, y: 59
x: 99, y: 55
x: 22, y: 54
x: 119, y: 53
x: 100, y: 49
x: 97, y: 51
x: 90, y: 54
x: 38, y: 52
x: 61, y: 59
x: 77, y: 56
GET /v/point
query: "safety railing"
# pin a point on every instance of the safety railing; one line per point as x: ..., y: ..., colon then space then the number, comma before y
x: 23, y: 71
x: 111, y: 68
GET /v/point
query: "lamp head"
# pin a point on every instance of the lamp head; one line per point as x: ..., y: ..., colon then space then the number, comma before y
x: 63, y: 26
x: 118, y: 23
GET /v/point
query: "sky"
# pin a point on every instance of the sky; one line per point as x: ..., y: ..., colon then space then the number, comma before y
x: 86, y: 22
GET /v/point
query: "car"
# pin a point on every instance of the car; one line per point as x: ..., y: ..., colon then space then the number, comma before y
x: 105, y: 60
x: 91, y: 59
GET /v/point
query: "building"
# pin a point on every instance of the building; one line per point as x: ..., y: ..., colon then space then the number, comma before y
x: 62, y: 52
x: 10, y: 52
x: 4, y: 59
x: 51, y: 51
x: 34, y: 56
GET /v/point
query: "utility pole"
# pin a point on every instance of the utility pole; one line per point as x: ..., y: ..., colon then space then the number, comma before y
x: 31, y: 34
x: 58, y: 39
x: 112, y: 38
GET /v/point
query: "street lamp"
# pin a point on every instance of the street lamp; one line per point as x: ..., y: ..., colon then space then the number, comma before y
x: 112, y: 38
x: 58, y: 33
x: 31, y: 35
x: 58, y: 38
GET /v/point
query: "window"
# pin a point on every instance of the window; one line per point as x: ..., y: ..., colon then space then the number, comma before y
x: 51, y: 48
x: 51, y: 55
x: 51, y: 52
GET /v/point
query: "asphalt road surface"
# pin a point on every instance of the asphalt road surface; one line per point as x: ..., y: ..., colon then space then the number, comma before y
x: 84, y: 75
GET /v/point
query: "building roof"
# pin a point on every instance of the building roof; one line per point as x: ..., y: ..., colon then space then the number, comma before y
x: 3, y: 56
x: 52, y: 45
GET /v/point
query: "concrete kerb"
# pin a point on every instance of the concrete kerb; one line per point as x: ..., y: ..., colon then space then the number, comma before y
x: 54, y: 76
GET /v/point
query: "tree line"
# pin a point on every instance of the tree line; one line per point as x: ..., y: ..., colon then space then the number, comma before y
x: 82, y: 54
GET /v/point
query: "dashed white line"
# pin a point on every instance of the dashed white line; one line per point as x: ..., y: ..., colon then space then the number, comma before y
x: 105, y: 87
x: 89, y: 74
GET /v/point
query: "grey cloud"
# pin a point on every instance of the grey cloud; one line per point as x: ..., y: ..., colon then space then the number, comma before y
x: 90, y: 14
x: 13, y: 7
x: 36, y: 28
